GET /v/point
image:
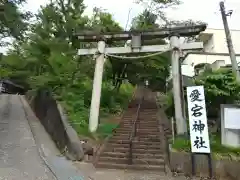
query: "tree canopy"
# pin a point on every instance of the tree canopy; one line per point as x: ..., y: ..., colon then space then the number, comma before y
x: 12, y: 20
x: 44, y: 54
x: 220, y: 87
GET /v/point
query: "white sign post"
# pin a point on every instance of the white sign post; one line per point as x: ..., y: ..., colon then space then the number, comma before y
x: 198, y: 120
x: 198, y: 125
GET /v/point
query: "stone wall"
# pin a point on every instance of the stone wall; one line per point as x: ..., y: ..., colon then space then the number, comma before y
x: 180, y: 162
x: 54, y: 120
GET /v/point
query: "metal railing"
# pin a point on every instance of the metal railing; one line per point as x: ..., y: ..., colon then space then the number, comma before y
x: 133, y: 133
x: 99, y: 149
x: 162, y: 135
x: 123, y: 111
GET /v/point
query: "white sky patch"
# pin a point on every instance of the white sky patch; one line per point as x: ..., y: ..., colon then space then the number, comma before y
x: 204, y: 10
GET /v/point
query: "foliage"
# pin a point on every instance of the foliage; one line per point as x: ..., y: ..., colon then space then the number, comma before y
x: 158, y: 6
x: 157, y: 9
x: 220, y: 87
x: 183, y: 144
x: 166, y: 101
x: 106, y: 128
x: 12, y: 20
x: 46, y: 58
x: 155, y: 69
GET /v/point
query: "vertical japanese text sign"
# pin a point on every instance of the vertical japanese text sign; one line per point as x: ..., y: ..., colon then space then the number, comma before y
x: 198, y: 120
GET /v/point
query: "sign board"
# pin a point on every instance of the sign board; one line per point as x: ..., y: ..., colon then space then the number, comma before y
x: 198, y: 120
x: 230, y: 126
x: 231, y: 118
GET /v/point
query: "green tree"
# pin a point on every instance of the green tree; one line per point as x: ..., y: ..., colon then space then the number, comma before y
x: 47, y: 58
x: 157, y: 7
x: 220, y: 87
x: 156, y: 68
x: 12, y: 20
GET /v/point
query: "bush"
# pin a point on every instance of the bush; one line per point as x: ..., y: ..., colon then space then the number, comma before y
x: 220, y: 87
x: 169, y: 105
x: 77, y: 104
x: 183, y: 144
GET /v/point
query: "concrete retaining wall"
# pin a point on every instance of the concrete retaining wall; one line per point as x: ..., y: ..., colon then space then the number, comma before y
x: 180, y: 162
x: 54, y: 120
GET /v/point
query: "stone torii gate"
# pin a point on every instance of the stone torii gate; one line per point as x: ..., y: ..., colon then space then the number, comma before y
x: 136, y: 47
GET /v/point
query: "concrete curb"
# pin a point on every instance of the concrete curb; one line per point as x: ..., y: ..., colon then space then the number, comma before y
x: 56, y: 123
x: 60, y: 167
x: 75, y: 149
x: 38, y: 144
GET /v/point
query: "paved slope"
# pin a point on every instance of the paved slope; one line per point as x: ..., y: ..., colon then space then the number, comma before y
x: 19, y: 156
x: 62, y: 168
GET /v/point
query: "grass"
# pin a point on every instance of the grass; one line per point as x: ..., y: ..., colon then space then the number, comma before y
x: 105, y: 129
x: 183, y: 145
x: 77, y: 106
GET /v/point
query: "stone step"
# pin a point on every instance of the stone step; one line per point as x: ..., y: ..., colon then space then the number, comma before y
x: 146, y: 149
x: 150, y: 115
x: 119, y: 137
x: 141, y: 117
x: 149, y: 110
x: 143, y: 121
x: 141, y: 125
x: 142, y: 111
x: 125, y: 160
x: 139, y: 135
x: 134, y: 155
x: 120, y: 141
x: 139, y: 151
x: 147, y: 115
x: 141, y: 167
x: 141, y: 138
x: 153, y: 123
x: 135, y: 145
x: 147, y: 120
x: 140, y: 129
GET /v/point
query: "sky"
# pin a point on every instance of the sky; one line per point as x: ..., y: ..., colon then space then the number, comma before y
x: 203, y: 10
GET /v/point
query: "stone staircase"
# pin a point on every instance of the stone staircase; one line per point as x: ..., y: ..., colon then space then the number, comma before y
x: 147, y: 151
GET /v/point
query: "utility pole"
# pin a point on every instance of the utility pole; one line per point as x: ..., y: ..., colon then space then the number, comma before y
x: 229, y: 40
x: 180, y: 121
x: 135, y: 48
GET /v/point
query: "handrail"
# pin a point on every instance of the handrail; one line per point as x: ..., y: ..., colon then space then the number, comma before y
x: 164, y: 139
x: 100, y: 148
x: 134, y: 131
x: 122, y: 113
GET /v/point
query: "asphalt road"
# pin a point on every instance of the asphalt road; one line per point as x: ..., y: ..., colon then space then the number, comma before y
x: 19, y: 156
